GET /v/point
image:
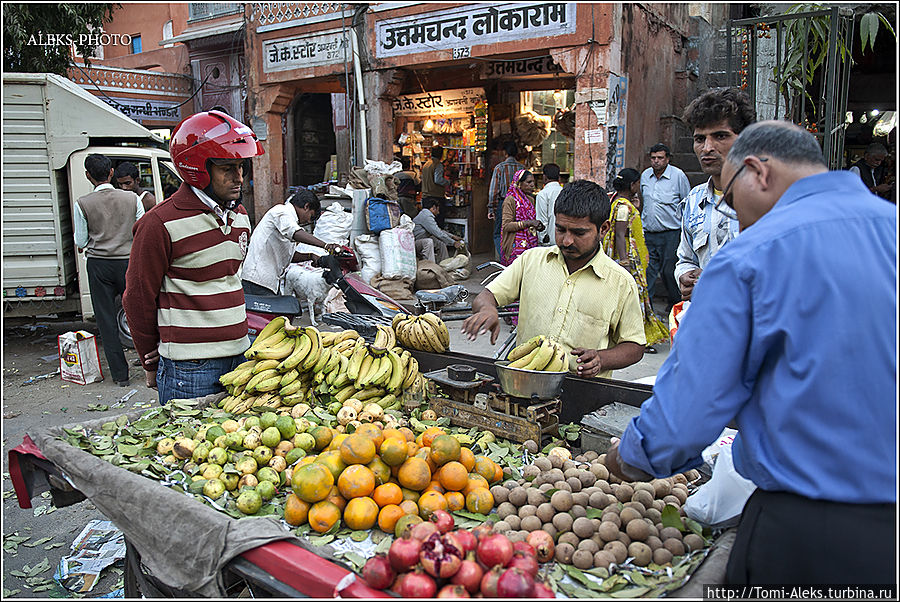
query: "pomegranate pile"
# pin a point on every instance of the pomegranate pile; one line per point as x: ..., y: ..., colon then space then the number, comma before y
x: 432, y: 559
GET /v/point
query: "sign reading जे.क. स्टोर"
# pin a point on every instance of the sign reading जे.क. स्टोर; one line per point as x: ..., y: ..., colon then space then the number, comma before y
x: 298, y: 52
x: 442, y: 102
x: 472, y: 25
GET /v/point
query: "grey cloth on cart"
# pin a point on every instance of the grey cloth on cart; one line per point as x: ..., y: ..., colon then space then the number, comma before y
x: 183, y: 542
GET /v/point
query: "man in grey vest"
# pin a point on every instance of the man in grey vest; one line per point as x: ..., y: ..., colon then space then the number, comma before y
x: 103, y: 220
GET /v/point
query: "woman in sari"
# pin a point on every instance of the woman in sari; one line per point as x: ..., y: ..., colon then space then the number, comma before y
x: 520, y: 224
x: 624, y: 243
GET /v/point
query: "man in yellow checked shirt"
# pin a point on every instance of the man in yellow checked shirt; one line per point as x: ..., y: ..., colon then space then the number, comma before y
x: 571, y: 292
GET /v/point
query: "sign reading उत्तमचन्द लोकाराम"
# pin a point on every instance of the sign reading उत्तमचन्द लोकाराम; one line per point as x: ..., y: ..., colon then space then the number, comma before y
x: 472, y: 25
x: 519, y: 67
x: 441, y: 102
x: 145, y: 110
x: 304, y: 51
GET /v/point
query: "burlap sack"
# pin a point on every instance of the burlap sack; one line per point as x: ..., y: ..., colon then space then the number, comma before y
x: 397, y: 289
x: 430, y: 275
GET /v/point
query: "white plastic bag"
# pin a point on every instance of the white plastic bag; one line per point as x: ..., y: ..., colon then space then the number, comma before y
x: 334, y: 225
x: 398, y: 253
x: 79, y: 360
x: 720, y: 501
x: 369, y: 256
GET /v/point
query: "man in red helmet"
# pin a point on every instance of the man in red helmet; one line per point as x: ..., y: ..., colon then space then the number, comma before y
x: 183, y: 296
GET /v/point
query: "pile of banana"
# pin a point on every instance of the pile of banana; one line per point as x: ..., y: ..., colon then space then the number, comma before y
x: 539, y: 353
x: 290, y: 365
x: 424, y: 333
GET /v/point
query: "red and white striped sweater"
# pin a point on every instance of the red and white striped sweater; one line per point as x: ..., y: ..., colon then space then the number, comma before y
x: 183, y: 294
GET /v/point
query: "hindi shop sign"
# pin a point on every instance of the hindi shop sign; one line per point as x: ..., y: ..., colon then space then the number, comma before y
x: 445, y: 102
x: 145, y: 110
x: 472, y: 25
x: 516, y: 68
x: 305, y: 51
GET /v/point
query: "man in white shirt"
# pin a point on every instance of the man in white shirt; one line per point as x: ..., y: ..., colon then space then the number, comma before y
x: 273, y: 243
x: 663, y: 188
x: 545, y: 202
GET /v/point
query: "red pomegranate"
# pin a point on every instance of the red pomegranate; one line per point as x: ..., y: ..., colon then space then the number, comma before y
x: 423, y: 531
x: 404, y: 554
x: 469, y: 576
x: 466, y: 540
x: 441, y: 555
x: 494, y: 550
x: 482, y: 530
x: 515, y: 583
x: 541, y: 590
x: 443, y: 520
x: 415, y: 585
x: 378, y: 573
x: 543, y: 545
x: 524, y: 546
x: 524, y: 561
x: 453, y: 591
x: 489, y: 582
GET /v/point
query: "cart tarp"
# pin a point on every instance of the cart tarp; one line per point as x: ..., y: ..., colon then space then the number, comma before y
x: 182, y: 542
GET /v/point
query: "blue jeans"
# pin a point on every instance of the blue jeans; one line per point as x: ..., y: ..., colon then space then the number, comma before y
x: 498, y: 227
x: 187, y: 379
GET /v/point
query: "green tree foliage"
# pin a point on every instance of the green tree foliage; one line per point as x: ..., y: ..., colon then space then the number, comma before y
x: 28, y: 46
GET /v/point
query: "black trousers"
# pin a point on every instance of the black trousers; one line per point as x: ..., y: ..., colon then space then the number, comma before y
x: 662, y: 248
x: 106, y: 278
x: 789, y: 539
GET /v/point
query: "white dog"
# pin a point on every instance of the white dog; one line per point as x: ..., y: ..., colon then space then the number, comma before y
x: 304, y: 281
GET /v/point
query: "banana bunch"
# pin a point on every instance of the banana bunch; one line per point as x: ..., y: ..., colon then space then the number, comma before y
x: 424, y: 333
x: 539, y: 353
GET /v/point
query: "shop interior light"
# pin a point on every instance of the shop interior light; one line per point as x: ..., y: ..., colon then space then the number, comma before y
x: 887, y: 122
x: 848, y: 118
x: 874, y: 112
x: 429, y: 126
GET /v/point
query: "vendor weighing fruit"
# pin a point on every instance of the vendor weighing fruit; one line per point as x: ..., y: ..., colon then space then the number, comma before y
x: 572, y: 292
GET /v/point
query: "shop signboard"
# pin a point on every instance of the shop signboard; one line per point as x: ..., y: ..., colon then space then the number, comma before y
x: 303, y: 51
x: 141, y: 110
x: 541, y: 65
x: 442, y: 102
x: 472, y: 25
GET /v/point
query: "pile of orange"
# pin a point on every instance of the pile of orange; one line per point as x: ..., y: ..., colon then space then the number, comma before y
x: 376, y: 477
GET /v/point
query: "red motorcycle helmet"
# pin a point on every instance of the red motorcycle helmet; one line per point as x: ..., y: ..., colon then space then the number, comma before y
x: 209, y: 135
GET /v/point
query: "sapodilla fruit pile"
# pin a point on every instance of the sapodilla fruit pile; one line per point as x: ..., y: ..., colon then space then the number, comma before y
x: 387, y: 478
x: 539, y: 353
x: 630, y: 525
x: 292, y: 365
x: 423, y: 333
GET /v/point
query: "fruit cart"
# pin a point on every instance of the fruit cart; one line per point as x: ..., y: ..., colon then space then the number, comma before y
x: 163, y: 527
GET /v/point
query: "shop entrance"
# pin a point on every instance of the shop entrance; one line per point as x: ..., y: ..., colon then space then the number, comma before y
x: 556, y: 147
x: 313, y: 139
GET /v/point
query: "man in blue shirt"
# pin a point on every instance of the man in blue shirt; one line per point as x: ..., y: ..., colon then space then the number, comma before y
x: 791, y: 335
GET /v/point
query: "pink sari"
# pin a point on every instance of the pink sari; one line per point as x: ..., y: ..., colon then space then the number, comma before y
x: 524, y: 239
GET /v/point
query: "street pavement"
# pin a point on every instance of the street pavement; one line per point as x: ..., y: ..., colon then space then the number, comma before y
x: 29, y: 351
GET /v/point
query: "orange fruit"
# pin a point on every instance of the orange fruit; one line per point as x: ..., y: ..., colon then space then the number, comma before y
x: 453, y: 476
x: 336, y: 442
x: 372, y: 431
x: 409, y: 494
x: 485, y: 467
x: 467, y: 459
x: 335, y: 497
x: 455, y: 500
x: 357, y: 449
x: 381, y: 470
x: 412, y: 448
x: 409, y: 507
x: 356, y: 481
x: 434, y: 485
x: 311, y: 483
x: 414, y: 474
x: 296, y: 511
x: 429, y: 434
x: 323, y: 436
x: 431, y: 501
x: 425, y: 454
x: 498, y: 474
x: 475, y: 481
x: 393, y: 433
x: 388, y: 517
x: 394, y: 451
x: 361, y: 513
x: 305, y: 460
x: 479, y: 500
x: 332, y: 461
x: 407, y: 432
x: 323, y: 516
x: 389, y: 493
x: 444, y: 449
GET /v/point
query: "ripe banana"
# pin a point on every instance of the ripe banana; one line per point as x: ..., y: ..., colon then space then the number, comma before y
x: 381, y: 338
x: 263, y: 365
x: 525, y: 348
x: 290, y: 388
x: 289, y: 377
x: 346, y: 345
x: 369, y: 393
x: 412, y: 372
x: 334, y: 360
x: 276, y: 352
x: 560, y: 362
x: 356, y: 360
x: 432, y: 335
x: 324, y: 357
x: 382, y: 371
x: 275, y: 325
x: 398, y: 317
x: 345, y: 393
x: 269, y: 384
x: 314, y: 351
x: 440, y: 328
x: 543, y: 357
x: 397, y: 372
x: 364, y: 369
x: 525, y: 359
x: 242, y: 378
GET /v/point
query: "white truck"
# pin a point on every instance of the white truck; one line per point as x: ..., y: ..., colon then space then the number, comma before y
x: 50, y: 125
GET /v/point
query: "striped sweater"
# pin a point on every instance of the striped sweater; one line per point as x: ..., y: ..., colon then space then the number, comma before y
x: 183, y: 293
